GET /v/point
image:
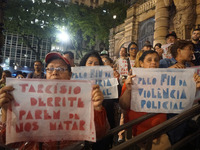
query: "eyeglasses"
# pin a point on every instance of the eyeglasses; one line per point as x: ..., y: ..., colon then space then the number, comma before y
x: 133, y: 48
x: 59, y: 69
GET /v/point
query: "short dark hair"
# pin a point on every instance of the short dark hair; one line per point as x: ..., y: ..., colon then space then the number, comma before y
x: 71, y: 55
x: 8, y: 73
x: 179, y: 44
x: 146, y: 53
x: 38, y: 61
x: 171, y: 34
x: 109, y: 59
x: 132, y: 43
x: 158, y: 44
x: 91, y: 54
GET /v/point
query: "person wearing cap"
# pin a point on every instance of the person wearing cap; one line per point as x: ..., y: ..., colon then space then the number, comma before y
x: 171, y: 37
x: 58, y: 67
x: 104, y: 53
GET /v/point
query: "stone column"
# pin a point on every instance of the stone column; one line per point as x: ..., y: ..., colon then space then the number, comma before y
x: 161, y: 22
x: 198, y: 12
x: 111, y: 43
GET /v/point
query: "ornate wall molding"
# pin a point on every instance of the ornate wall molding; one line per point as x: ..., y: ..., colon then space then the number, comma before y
x: 145, y: 7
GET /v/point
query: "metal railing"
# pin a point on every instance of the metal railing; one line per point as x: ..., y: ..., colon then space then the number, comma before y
x: 158, y: 130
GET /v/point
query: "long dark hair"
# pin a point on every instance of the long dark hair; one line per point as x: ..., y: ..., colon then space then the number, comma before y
x: 146, y: 53
x: 91, y: 54
x: 179, y: 44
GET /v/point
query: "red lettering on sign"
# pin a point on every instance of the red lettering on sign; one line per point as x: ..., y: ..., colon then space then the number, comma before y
x: 63, y: 89
x: 67, y: 123
x: 77, y: 90
x: 72, y: 99
x: 33, y: 101
x: 80, y: 103
x: 49, y: 101
x: 82, y: 123
x: 56, y: 115
x: 38, y: 114
x: 23, y: 87
x: 46, y: 115
x: 60, y: 127
x: 47, y: 89
x: 29, y: 116
x: 41, y: 103
x: 35, y: 126
x: 21, y: 114
x: 55, y: 89
x: 32, y: 89
x: 19, y: 128
x: 57, y: 101
x: 70, y: 90
x: 74, y: 127
x: 40, y: 88
x: 27, y: 127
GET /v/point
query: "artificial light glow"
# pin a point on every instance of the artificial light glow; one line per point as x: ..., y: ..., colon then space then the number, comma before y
x: 63, y: 36
x: 114, y: 16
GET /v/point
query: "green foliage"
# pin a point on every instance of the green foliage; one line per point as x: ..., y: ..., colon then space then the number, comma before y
x: 82, y: 22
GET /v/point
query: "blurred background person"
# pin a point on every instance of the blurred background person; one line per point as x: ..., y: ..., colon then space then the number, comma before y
x: 5, y: 74
x: 158, y: 49
x: 38, y: 73
x: 70, y: 57
x: 195, y: 40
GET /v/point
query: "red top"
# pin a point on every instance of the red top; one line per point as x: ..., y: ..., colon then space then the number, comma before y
x: 145, y: 125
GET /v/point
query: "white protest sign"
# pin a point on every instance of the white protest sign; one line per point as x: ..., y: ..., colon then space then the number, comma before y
x: 123, y: 67
x: 50, y: 110
x: 162, y: 90
x: 197, y: 70
x: 103, y: 76
x: 166, y: 52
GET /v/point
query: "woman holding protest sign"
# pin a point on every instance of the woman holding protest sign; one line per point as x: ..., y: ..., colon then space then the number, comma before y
x: 57, y: 68
x: 149, y: 59
x: 182, y: 54
x: 93, y: 59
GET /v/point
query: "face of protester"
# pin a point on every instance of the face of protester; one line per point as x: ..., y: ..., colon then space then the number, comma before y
x: 92, y: 61
x: 19, y: 76
x: 61, y: 72
x: 133, y: 50
x: 196, y: 35
x: 37, y: 66
x: 123, y: 52
x: 171, y: 39
x: 186, y: 54
x: 150, y: 61
x: 106, y: 62
x: 146, y: 48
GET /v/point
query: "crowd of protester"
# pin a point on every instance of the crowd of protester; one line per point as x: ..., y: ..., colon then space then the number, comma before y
x: 114, y: 112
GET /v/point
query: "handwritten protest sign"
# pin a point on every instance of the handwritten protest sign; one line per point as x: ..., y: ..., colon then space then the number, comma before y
x: 197, y: 70
x: 50, y: 110
x: 102, y: 75
x: 166, y: 51
x: 162, y: 90
x: 123, y: 67
x: 132, y: 63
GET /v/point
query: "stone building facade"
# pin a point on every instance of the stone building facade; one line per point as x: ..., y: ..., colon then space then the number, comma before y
x: 91, y: 3
x: 153, y: 20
